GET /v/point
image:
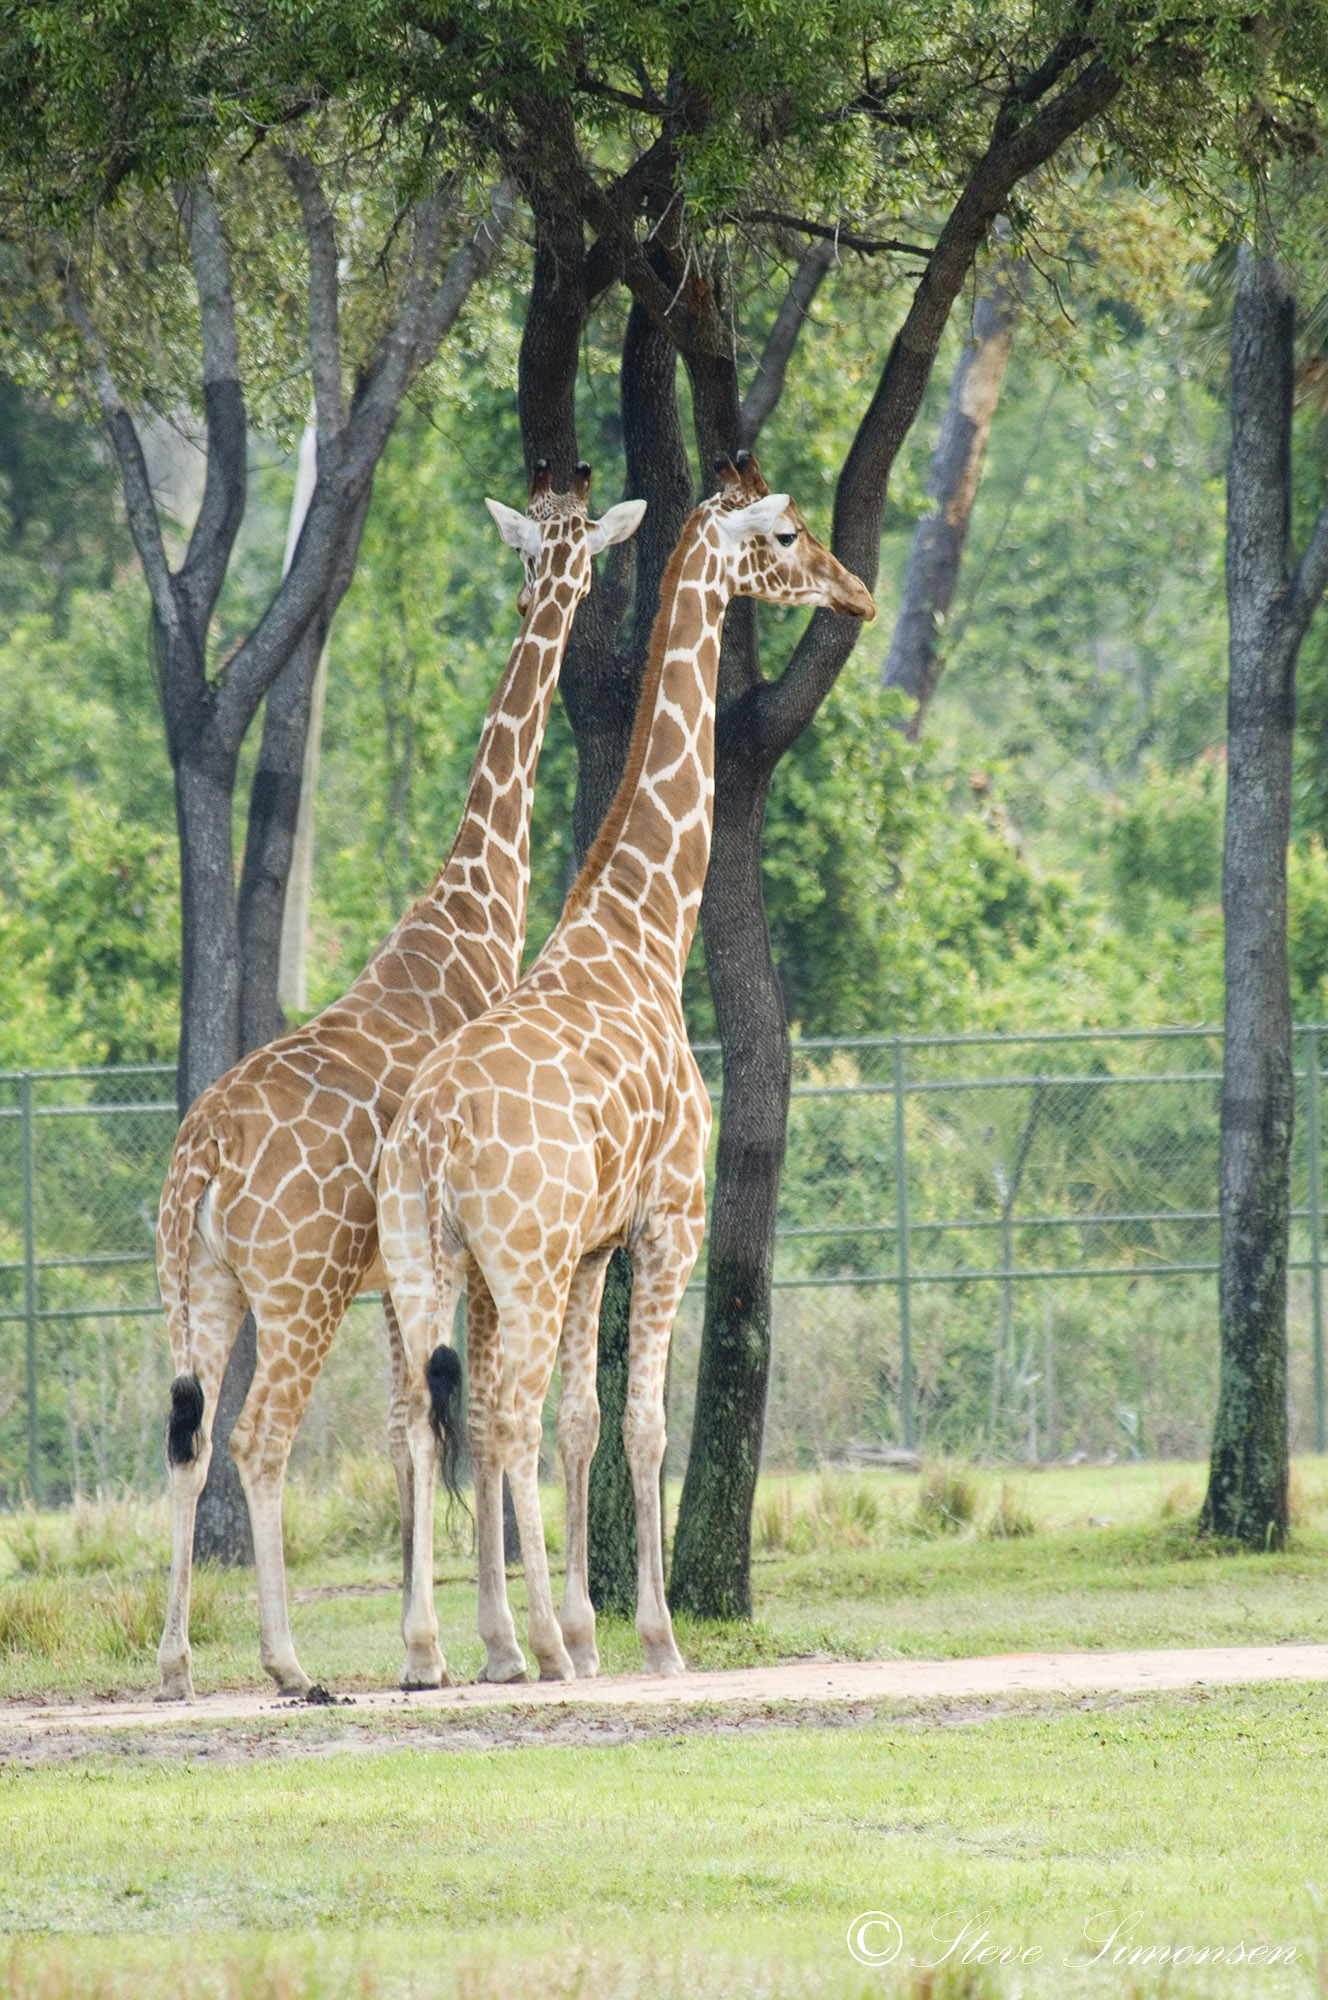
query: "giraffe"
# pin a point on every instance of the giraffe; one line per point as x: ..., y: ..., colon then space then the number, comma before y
x: 572, y: 1118
x: 269, y: 1201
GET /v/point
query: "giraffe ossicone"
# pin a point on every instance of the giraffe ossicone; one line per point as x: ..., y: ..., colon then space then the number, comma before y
x: 269, y: 1200
x: 571, y: 1118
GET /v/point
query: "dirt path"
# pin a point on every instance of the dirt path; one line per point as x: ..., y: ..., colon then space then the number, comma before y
x: 824, y: 1685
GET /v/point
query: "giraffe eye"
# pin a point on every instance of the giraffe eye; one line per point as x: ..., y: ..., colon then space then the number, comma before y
x: 787, y: 541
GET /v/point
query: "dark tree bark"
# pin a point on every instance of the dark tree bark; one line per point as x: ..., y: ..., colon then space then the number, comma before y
x: 1269, y: 610
x: 938, y: 540
x: 274, y: 807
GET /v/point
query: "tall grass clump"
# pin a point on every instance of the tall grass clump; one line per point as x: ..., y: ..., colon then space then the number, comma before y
x: 127, y: 1618
x: 1012, y: 1516
x: 90, y: 1539
x: 948, y: 1498
x: 843, y: 1511
x: 848, y: 1511
x: 38, y: 1618
x: 357, y: 1514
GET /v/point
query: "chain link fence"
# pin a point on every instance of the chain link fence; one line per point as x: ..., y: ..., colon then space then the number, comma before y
x: 993, y: 1244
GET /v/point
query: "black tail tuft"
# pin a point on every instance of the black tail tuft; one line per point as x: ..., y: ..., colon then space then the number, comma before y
x: 184, y: 1421
x: 443, y: 1375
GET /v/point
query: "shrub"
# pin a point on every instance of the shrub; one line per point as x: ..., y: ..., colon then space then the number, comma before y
x: 1013, y: 1516
x: 37, y: 1618
x: 1179, y: 1500
x: 847, y: 1511
x: 948, y: 1498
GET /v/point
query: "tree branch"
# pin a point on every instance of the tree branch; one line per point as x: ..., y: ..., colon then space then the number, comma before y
x: 843, y: 239
x: 1311, y: 578
x: 324, y: 297
x: 428, y: 311
x: 768, y: 384
x: 472, y: 262
x: 595, y: 87
x: 222, y: 510
x: 555, y: 320
x: 783, y: 708
x: 141, y: 508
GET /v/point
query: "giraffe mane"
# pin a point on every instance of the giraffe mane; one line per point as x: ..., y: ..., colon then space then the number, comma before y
x: 606, y: 840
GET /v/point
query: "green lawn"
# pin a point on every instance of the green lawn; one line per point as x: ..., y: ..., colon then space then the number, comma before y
x: 321, y: 1854
x: 691, y: 1864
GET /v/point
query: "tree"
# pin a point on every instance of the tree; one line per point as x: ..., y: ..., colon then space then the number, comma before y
x: 1140, y: 78
x: 938, y: 541
x: 1270, y: 606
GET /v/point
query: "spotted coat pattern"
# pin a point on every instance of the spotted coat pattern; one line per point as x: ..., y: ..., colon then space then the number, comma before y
x: 571, y: 1118
x: 269, y: 1202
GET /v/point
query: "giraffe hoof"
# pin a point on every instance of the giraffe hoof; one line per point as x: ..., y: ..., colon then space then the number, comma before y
x: 504, y: 1672
x: 176, y: 1687
x: 664, y: 1660
x: 557, y: 1668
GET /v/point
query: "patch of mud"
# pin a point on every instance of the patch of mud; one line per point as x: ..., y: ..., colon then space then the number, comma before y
x: 306, y: 1735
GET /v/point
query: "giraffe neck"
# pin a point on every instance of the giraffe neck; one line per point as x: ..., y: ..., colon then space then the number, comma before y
x: 643, y: 877
x: 489, y: 862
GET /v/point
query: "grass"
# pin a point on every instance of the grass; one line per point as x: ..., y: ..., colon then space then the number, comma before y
x: 862, y: 1566
x: 704, y: 1857
x: 663, y: 1866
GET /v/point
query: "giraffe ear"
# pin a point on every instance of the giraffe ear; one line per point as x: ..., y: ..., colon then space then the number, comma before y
x: 738, y: 524
x: 617, y: 525
x: 517, y: 530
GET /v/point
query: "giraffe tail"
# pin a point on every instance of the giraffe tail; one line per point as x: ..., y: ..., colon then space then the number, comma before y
x: 443, y: 1376
x: 443, y: 1372
x: 194, y: 1163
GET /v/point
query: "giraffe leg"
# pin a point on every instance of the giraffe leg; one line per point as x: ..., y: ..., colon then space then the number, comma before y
x: 660, y: 1272
x: 519, y: 1432
x: 261, y: 1445
x: 216, y: 1308
x: 423, y: 1301
x: 503, y: 1658
x: 578, y: 1434
x: 398, y: 1446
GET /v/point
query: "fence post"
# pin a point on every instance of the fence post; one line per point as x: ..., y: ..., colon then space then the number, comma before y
x: 901, y: 1233
x: 1311, y: 1041
x: 29, y: 1280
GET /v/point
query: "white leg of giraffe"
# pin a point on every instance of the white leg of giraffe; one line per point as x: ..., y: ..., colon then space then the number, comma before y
x: 507, y: 1406
x: 398, y: 1447
x: 519, y: 1430
x: 660, y: 1270
x: 578, y: 1434
x: 423, y: 1301
x: 217, y: 1307
x: 289, y: 1355
x: 503, y: 1658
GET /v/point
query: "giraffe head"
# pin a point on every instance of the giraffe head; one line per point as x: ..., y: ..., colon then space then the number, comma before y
x: 769, y: 551
x: 556, y: 536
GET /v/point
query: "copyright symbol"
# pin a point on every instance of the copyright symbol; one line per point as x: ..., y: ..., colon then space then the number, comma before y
x: 875, y: 1938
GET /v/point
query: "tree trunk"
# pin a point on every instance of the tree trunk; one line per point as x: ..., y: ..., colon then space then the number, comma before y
x: 711, y: 1574
x: 658, y: 470
x: 1247, y: 1488
x: 209, y: 938
x: 209, y: 1044
x: 938, y: 540
x: 611, y: 1512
